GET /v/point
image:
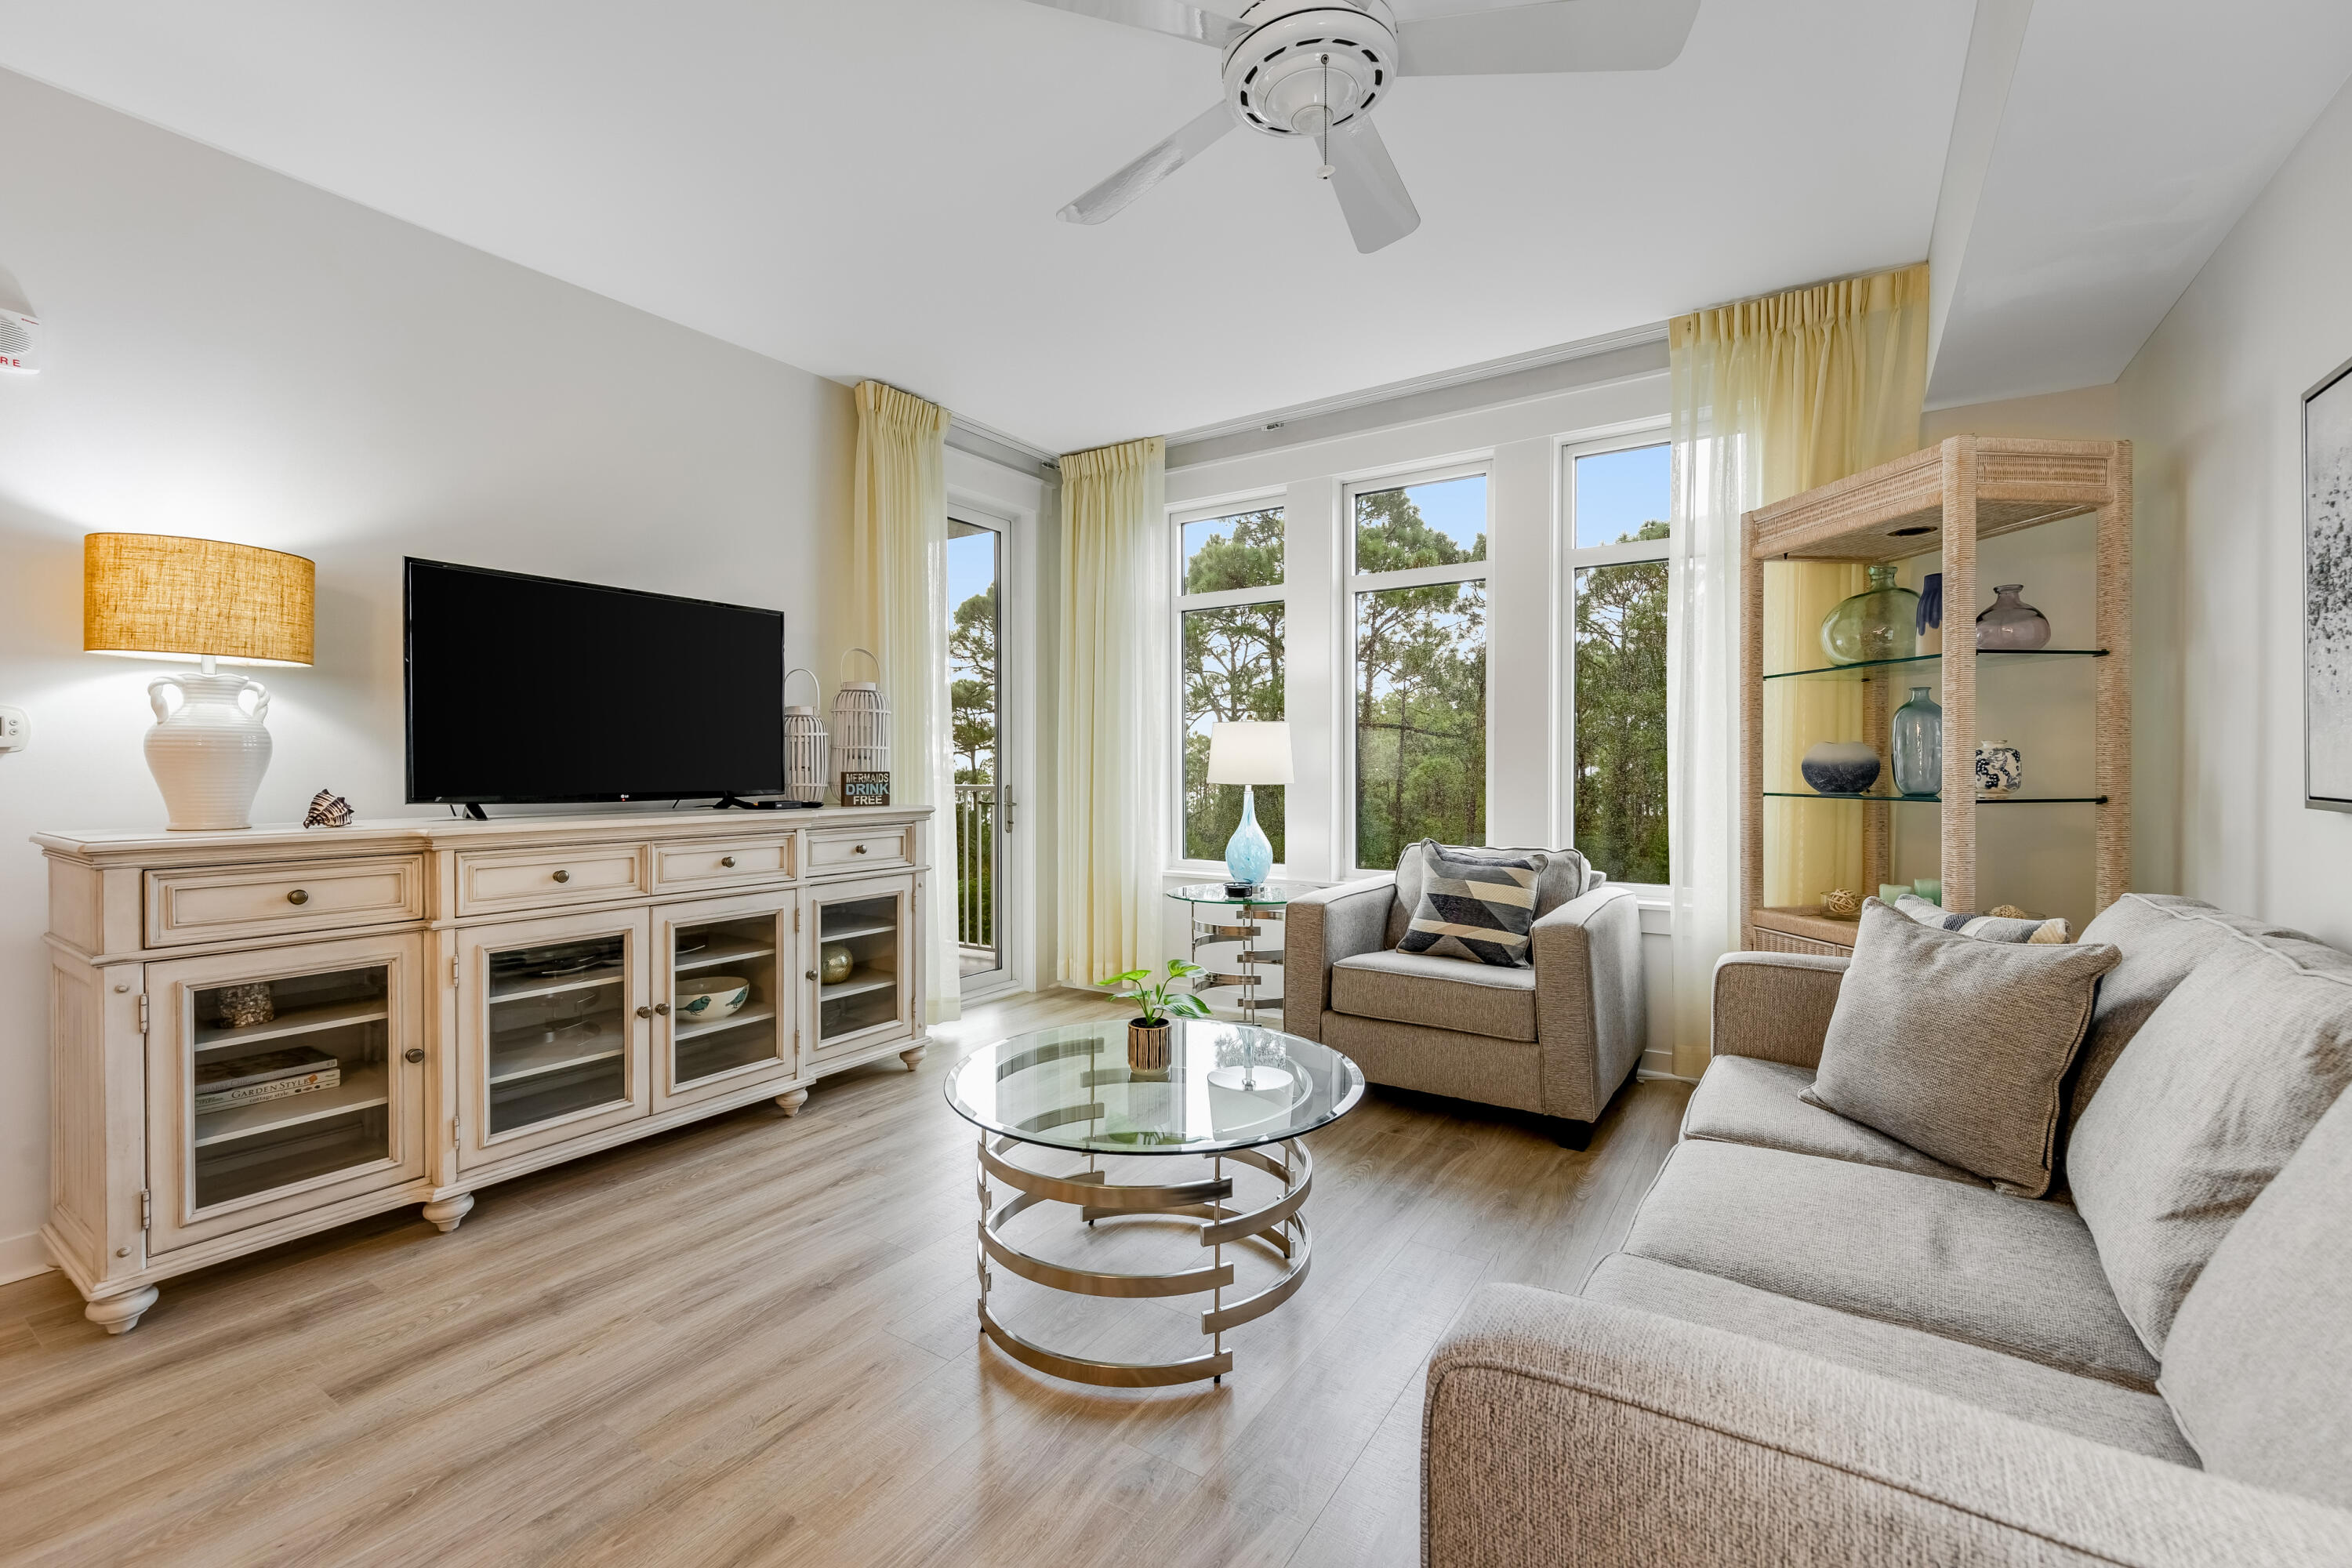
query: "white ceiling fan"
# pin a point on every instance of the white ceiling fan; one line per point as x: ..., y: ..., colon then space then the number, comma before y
x: 1315, y: 68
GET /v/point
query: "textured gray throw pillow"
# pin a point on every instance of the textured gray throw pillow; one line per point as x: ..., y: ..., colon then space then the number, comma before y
x: 1561, y: 875
x: 1957, y: 1047
x: 1475, y: 904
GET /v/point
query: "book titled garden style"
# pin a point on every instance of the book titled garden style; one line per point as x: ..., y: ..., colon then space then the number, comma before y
x: 266, y: 1075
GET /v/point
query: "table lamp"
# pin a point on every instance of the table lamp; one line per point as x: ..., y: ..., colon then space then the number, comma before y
x: 1249, y: 752
x: 152, y: 595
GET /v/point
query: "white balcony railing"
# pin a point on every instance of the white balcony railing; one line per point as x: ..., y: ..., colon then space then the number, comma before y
x: 975, y: 867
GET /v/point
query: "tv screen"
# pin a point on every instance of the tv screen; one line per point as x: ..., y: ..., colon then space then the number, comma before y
x: 530, y: 688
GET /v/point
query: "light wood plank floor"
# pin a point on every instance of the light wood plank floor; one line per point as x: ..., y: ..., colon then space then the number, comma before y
x: 752, y: 1342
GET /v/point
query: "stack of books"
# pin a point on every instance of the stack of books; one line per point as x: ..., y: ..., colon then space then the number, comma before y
x: 266, y: 1075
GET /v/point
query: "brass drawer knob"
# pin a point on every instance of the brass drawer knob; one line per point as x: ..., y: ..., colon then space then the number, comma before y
x: 414, y: 1054
x: 857, y: 849
x: 297, y: 897
x: 812, y: 975
x: 663, y: 1008
x: 645, y: 1012
x: 563, y: 875
x: 728, y: 861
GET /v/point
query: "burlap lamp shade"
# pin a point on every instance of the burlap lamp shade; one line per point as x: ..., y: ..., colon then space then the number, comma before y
x: 152, y: 596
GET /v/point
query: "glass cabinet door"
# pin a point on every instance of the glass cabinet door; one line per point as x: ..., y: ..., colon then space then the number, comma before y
x: 554, y: 1030
x: 863, y: 962
x: 726, y: 1008
x: 288, y: 1082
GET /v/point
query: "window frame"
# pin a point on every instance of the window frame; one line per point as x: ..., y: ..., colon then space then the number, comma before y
x: 1354, y: 584
x: 1179, y: 519
x: 1574, y: 558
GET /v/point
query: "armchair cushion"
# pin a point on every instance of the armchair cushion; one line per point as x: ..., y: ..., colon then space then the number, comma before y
x: 1474, y: 905
x: 1563, y: 876
x: 1439, y: 993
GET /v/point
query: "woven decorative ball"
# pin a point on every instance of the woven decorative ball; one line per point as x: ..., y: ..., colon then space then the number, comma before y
x: 1842, y: 904
x: 2008, y: 913
x: 806, y: 749
x: 861, y: 725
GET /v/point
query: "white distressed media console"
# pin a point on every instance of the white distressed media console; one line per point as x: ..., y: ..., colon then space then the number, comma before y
x: 476, y: 1000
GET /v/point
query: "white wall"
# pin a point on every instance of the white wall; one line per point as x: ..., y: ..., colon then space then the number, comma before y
x: 2213, y: 402
x: 1525, y: 601
x: 239, y: 356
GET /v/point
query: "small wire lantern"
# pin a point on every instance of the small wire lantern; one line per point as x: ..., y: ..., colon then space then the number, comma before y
x: 861, y: 726
x: 806, y: 770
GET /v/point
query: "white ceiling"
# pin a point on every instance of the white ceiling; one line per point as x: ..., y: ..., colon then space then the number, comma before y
x: 867, y: 187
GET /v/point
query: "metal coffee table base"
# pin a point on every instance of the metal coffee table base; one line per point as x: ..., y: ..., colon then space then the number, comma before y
x: 1278, y: 1225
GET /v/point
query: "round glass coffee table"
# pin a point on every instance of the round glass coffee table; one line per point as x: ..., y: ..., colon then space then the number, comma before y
x: 1227, y: 1093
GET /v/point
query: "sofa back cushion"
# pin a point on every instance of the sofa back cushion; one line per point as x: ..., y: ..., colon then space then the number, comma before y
x: 2217, y: 1090
x: 2161, y: 938
x: 1565, y: 875
x: 2258, y: 1367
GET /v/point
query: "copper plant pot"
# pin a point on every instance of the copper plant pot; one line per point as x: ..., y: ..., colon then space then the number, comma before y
x: 1147, y: 1047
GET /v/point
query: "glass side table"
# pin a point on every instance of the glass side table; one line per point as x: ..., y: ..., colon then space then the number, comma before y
x: 1212, y: 908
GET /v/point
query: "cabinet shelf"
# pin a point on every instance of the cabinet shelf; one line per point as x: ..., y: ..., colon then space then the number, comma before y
x: 845, y: 933
x: 522, y: 988
x: 1882, y: 798
x: 722, y: 950
x: 859, y: 981
x: 757, y: 1013
x: 361, y: 1089
x: 512, y: 1064
x: 1921, y: 664
x: 293, y: 1021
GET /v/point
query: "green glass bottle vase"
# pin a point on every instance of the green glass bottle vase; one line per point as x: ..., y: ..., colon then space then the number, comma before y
x: 1880, y: 621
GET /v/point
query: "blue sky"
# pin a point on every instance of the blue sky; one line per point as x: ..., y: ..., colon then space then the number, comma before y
x: 1617, y: 492
x: 972, y: 567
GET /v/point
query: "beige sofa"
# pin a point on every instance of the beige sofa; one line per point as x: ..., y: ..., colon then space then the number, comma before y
x: 1557, y: 1036
x: 1817, y: 1345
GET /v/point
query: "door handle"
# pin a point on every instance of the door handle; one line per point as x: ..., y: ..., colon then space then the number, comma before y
x: 1008, y: 804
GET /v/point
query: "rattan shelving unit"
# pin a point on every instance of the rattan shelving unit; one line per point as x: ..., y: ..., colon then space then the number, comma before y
x: 1946, y: 497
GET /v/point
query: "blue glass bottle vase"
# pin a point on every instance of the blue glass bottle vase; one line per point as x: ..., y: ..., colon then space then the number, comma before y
x: 1248, y: 855
x: 1918, y: 744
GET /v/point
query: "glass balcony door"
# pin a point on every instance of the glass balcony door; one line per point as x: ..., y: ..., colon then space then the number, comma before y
x: 553, y: 1025
x: 984, y: 807
x: 727, y: 988
x: 282, y: 1081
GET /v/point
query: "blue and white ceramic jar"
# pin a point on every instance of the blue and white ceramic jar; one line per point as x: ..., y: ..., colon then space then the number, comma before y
x: 2001, y: 767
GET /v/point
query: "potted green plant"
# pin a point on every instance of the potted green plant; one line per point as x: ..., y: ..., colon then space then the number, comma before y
x: 1147, y: 1032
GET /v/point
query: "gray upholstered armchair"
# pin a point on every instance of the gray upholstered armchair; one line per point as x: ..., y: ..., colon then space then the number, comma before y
x: 1558, y: 1038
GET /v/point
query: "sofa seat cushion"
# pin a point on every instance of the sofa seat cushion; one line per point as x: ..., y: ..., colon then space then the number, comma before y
x: 1742, y: 1099
x: 2014, y: 1275
x: 2086, y: 1406
x: 2211, y: 1098
x: 1437, y: 993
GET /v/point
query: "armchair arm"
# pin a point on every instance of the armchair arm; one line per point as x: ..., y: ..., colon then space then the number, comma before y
x: 1775, y: 1006
x: 1591, y: 1010
x: 1561, y: 1430
x: 1318, y: 930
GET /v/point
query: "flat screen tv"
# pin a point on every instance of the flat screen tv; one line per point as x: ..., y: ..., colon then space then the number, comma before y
x: 530, y: 688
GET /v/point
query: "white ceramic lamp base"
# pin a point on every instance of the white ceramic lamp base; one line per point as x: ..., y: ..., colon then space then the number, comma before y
x: 208, y: 752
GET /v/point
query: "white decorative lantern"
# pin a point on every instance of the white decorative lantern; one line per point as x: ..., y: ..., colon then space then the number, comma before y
x: 805, y: 764
x: 861, y: 727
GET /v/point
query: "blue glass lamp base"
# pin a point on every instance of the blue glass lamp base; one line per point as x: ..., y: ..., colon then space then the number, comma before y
x: 1248, y: 854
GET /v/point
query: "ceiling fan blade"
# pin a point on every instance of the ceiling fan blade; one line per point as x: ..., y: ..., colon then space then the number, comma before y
x: 1172, y: 17
x: 1154, y: 166
x: 1371, y: 198
x: 1559, y: 36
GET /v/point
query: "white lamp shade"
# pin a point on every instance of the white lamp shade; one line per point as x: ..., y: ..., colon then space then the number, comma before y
x: 1250, y: 751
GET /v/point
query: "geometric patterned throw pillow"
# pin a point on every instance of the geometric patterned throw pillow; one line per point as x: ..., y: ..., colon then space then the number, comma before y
x: 1475, y: 904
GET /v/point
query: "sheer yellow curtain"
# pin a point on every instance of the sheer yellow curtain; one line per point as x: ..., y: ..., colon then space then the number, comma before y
x: 1771, y: 396
x: 897, y: 610
x: 1116, y: 794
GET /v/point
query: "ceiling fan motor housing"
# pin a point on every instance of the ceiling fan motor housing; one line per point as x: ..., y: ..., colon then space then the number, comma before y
x: 1304, y: 58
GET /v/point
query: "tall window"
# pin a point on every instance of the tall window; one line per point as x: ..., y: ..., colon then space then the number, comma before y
x: 1229, y: 616
x: 1618, y: 500
x: 1419, y: 582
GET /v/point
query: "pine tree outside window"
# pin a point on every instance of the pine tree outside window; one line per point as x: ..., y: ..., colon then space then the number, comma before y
x: 1230, y: 627
x: 1617, y: 497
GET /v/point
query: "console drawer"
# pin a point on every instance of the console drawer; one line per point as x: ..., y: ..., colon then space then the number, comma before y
x: 840, y: 850
x: 541, y: 878
x: 722, y: 864
x: 224, y: 904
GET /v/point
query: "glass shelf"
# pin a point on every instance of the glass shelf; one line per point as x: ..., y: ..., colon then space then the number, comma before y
x: 1870, y: 668
x: 1883, y: 797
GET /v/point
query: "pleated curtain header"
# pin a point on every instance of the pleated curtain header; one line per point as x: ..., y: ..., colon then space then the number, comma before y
x: 1842, y: 302
x: 1109, y: 462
